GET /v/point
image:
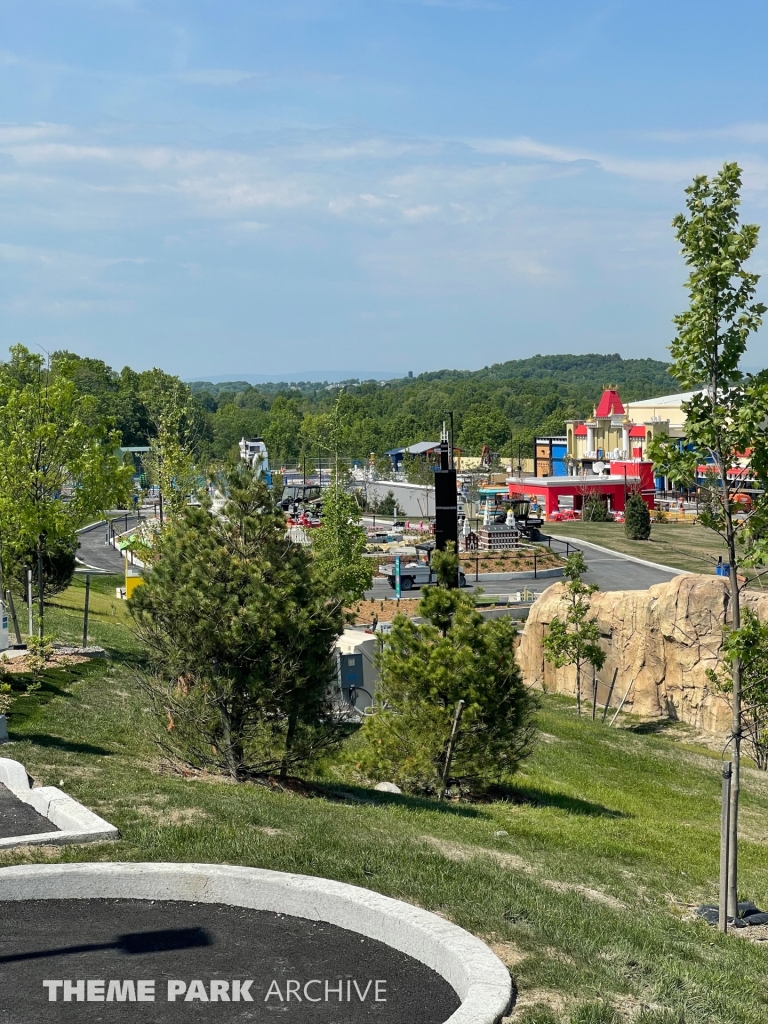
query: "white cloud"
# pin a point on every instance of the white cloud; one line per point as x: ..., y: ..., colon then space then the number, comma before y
x: 756, y: 132
x: 11, y: 133
x: 419, y: 217
x: 219, y: 77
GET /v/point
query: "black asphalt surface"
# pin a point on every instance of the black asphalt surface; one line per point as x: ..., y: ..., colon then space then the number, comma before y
x: 19, y: 819
x: 96, y: 553
x: 135, y: 940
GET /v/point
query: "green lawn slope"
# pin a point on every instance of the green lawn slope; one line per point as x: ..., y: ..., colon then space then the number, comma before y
x: 583, y: 883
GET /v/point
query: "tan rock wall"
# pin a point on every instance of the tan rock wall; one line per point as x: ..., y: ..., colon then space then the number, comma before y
x: 664, y: 639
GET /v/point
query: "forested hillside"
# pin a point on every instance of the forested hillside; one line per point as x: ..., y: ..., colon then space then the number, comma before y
x: 501, y: 405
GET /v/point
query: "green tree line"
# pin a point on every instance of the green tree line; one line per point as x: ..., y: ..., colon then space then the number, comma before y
x: 503, y: 406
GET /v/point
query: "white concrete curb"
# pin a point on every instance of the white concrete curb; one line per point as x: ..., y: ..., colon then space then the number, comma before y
x: 479, y: 978
x: 620, y: 554
x: 75, y: 822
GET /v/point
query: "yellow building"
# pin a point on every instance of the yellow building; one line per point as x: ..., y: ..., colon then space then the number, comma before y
x: 668, y: 408
x: 614, y: 432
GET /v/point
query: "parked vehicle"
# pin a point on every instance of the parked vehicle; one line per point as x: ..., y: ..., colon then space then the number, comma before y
x: 415, y: 574
x: 299, y: 494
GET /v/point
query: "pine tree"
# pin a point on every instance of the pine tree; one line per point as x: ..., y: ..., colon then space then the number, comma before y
x: 240, y: 638
x: 426, y: 668
x: 637, y: 518
x: 595, y: 510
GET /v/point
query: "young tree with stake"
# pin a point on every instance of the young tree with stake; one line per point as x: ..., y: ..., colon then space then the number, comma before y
x: 574, y: 640
x: 725, y: 418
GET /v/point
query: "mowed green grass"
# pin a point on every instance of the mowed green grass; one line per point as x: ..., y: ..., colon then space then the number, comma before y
x: 583, y: 882
x: 681, y: 545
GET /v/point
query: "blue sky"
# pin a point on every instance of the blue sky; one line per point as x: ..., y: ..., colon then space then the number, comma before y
x: 380, y: 185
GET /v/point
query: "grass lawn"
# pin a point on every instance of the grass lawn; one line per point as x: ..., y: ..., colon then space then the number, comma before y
x: 682, y: 545
x: 583, y: 883
x: 102, y: 602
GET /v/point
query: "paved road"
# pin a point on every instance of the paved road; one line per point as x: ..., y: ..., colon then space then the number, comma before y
x: 610, y: 571
x: 128, y: 940
x: 96, y: 553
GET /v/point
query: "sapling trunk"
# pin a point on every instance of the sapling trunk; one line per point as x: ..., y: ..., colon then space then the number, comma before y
x: 12, y: 606
x: 449, y: 751
x: 40, y: 603
x: 289, y: 738
x: 733, y: 823
x: 232, y: 749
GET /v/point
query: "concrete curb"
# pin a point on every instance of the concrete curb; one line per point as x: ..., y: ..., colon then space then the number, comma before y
x: 75, y: 822
x: 620, y: 554
x: 541, y: 574
x: 91, y: 526
x: 479, y: 978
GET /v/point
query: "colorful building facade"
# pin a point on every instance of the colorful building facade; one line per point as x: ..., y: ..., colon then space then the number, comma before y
x: 615, y: 433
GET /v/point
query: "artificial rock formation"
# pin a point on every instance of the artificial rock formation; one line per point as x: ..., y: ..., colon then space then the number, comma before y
x: 664, y: 639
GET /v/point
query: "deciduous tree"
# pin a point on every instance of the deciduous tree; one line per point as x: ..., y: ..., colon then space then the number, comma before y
x: 59, y: 465
x: 749, y: 644
x: 725, y: 416
x: 574, y: 640
x: 338, y: 547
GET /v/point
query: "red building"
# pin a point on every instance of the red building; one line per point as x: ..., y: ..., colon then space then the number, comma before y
x: 620, y: 478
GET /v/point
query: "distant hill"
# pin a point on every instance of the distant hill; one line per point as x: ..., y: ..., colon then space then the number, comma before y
x: 504, y: 405
x: 594, y: 369
x: 647, y: 375
x: 301, y: 377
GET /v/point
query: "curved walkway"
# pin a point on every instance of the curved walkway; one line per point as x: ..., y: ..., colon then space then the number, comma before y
x: 95, y: 553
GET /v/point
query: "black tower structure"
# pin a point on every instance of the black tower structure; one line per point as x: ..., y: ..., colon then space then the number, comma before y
x: 446, y: 501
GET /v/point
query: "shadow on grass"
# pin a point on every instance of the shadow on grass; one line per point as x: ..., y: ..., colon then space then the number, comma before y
x: 43, y: 740
x: 655, y: 727
x: 571, y: 804
x: 361, y: 795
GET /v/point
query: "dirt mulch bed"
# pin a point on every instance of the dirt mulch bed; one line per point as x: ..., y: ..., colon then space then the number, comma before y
x: 510, y: 561
x: 364, y: 611
x: 18, y: 666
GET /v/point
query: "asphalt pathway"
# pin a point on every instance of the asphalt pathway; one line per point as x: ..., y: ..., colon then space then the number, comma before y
x: 94, y: 550
x: 18, y: 818
x: 193, y: 945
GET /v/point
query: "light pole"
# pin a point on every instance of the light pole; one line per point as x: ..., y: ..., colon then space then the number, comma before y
x: 450, y: 442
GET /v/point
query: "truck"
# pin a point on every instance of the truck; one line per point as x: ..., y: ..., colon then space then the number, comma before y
x: 414, y: 574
